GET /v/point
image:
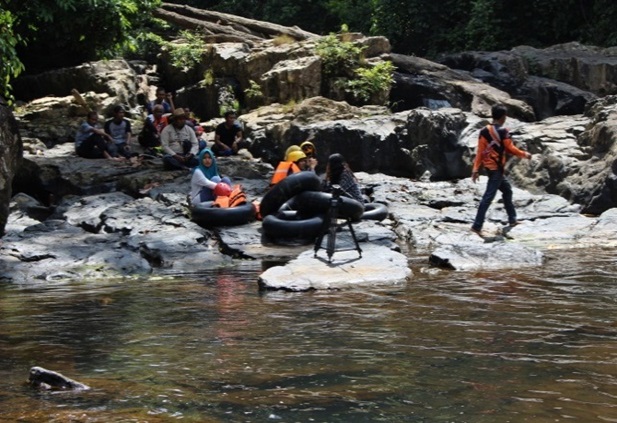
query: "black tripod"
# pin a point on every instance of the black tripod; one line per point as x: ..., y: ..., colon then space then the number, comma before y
x: 330, y: 226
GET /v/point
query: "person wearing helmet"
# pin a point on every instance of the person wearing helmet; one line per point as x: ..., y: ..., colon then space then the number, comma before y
x: 206, y: 183
x: 290, y: 149
x: 308, y: 148
x: 295, y: 162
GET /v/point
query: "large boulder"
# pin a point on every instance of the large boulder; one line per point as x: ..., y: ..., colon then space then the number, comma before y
x: 556, y: 80
x: 578, y: 157
x: 113, y: 77
x: 588, y: 68
x: 420, y: 82
x: 12, y: 150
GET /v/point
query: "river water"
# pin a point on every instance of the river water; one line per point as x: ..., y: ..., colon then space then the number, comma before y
x: 535, y: 345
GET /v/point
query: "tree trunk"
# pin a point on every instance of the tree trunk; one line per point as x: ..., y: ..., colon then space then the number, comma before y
x: 223, y: 23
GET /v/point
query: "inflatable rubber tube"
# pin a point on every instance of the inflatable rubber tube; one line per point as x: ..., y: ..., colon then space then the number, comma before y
x: 375, y: 211
x: 312, y: 202
x: 287, y: 188
x: 207, y: 216
x: 277, y: 228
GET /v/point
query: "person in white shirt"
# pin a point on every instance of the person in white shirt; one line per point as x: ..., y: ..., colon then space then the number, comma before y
x: 205, y: 179
x: 179, y: 143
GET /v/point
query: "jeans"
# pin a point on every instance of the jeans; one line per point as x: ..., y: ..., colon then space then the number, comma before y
x: 496, y: 181
x: 121, y: 149
x: 218, y: 151
x: 207, y: 194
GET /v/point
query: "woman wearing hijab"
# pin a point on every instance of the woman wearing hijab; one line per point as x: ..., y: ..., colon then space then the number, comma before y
x: 339, y: 173
x: 205, y: 178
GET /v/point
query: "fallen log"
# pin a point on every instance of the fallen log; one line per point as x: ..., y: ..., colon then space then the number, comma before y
x: 253, y: 27
x: 208, y: 28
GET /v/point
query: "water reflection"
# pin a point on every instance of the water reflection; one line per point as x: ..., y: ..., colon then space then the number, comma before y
x: 535, y: 345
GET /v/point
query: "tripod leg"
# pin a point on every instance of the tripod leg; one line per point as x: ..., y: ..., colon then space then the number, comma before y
x: 353, y: 235
x: 331, y: 246
x: 319, y: 239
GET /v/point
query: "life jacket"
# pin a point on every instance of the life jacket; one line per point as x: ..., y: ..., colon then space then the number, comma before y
x: 283, y: 170
x: 236, y: 198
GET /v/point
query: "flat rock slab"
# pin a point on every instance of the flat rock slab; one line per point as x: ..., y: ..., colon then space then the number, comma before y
x: 489, y: 256
x: 378, y: 266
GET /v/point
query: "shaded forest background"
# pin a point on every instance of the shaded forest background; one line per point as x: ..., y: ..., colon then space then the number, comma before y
x: 37, y: 35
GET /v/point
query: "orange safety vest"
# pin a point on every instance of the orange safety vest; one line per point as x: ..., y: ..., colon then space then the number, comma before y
x: 236, y: 198
x: 283, y: 170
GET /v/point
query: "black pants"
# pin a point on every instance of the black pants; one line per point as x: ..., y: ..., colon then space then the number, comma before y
x: 93, y: 147
x: 171, y: 163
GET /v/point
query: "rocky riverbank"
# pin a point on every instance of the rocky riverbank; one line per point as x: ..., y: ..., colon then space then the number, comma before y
x: 72, y: 218
x: 141, y: 228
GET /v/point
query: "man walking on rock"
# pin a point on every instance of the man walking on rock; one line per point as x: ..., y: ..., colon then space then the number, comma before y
x: 493, y: 144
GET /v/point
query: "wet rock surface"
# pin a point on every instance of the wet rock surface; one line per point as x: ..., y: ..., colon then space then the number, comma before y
x: 45, y: 379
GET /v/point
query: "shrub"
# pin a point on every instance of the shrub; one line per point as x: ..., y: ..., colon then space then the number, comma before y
x: 188, y: 54
x: 254, y: 91
x: 338, y: 57
x: 371, y: 81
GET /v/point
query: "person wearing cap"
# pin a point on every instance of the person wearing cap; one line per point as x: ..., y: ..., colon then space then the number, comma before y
x: 311, y: 154
x: 179, y: 143
x: 339, y: 173
x: 205, y: 178
x: 119, y: 129
x: 228, y: 136
x: 295, y: 161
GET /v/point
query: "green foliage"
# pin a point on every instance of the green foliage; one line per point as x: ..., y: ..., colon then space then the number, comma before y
x: 68, y: 32
x: 338, y: 57
x: 254, y: 91
x: 371, y: 81
x: 208, y: 78
x: 228, y: 100
x: 10, y: 66
x: 187, y: 54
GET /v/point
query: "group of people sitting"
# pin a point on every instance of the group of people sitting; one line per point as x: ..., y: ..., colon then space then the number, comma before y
x: 207, y: 184
x: 170, y: 131
x: 176, y: 134
x: 303, y: 158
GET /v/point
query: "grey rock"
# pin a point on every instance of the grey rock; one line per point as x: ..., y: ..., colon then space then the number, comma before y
x: 378, y: 266
x: 42, y: 378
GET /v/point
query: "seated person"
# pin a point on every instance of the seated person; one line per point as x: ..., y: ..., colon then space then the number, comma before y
x: 190, y: 118
x: 199, y: 133
x: 294, y: 162
x: 308, y: 148
x: 150, y: 135
x: 205, y: 178
x: 228, y: 136
x: 179, y: 143
x: 119, y: 128
x: 339, y: 173
x: 91, y: 142
x: 162, y: 98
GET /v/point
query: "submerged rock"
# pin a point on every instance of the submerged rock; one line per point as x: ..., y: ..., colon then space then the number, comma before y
x: 47, y: 379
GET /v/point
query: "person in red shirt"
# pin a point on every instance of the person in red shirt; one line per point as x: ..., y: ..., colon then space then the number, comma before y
x: 150, y: 135
x: 494, y: 143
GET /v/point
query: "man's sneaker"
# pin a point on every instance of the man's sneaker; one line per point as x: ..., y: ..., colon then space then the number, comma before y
x: 476, y: 231
x: 513, y: 224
